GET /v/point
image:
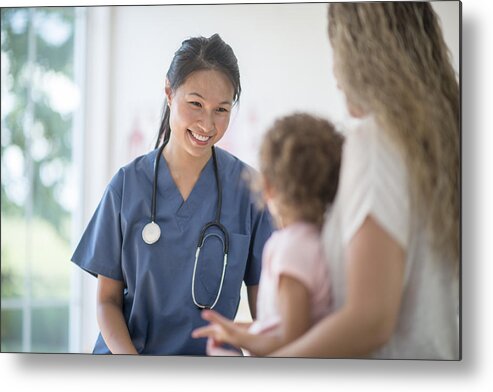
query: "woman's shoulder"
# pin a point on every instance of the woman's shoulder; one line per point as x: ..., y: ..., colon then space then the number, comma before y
x: 360, y: 137
x: 141, y: 163
x: 373, y: 180
x: 140, y: 167
x: 239, y: 179
x: 231, y: 166
x: 231, y: 161
x: 369, y: 138
x: 369, y: 151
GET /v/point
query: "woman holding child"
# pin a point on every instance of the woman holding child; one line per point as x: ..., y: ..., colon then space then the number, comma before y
x: 391, y: 238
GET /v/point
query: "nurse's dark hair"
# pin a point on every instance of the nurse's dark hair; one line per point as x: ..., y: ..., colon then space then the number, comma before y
x: 196, y: 54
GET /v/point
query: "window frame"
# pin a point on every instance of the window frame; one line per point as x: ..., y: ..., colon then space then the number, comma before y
x: 26, y: 303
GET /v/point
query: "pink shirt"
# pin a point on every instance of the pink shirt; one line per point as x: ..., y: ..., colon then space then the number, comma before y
x: 295, y: 251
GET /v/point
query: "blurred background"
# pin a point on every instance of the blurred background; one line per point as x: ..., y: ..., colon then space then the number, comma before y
x: 82, y: 90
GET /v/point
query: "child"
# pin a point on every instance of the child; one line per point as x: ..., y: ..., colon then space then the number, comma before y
x: 299, y: 164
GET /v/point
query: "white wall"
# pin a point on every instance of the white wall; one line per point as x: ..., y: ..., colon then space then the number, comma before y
x: 448, y: 11
x: 283, y: 53
x: 285, y: 65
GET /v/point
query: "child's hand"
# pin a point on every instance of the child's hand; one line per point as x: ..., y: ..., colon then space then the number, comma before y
x: 215, y: 349
x: 220, y: 329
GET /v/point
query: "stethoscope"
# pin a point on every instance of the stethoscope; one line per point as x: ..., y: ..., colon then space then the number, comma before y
x: 152, y: 231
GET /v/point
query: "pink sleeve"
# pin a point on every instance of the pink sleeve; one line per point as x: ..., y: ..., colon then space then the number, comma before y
x: 300, y: 260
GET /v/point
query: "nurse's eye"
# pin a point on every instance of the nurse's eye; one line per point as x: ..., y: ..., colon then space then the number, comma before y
x: 196, y: 104
x: 222, y: 110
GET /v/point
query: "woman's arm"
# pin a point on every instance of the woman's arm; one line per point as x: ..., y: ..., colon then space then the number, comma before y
x: 375, y: 272
x: 110, y: 316
x: 295, y: 320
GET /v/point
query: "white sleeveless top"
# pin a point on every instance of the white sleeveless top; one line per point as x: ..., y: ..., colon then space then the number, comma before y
x: 374, y: 181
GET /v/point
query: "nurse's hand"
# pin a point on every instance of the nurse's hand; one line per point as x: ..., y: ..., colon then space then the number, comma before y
x: 221, y: 329
x: 215, y: 349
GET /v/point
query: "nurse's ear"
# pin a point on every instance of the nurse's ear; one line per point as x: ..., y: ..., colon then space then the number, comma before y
x: 168, y: 91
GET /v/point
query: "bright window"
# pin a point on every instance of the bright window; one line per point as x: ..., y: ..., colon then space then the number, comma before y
x: 39, y: 98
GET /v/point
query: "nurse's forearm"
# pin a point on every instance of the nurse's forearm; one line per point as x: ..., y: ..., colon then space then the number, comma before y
x: 252, y: 292
x: 114, y: 329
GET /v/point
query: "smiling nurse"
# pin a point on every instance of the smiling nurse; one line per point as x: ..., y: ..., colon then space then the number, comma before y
x: 206, y: 234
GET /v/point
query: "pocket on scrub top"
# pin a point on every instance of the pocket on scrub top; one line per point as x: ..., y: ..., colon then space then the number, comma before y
x: 210, y: 267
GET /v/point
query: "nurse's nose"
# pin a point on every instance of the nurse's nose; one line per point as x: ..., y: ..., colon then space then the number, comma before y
x: 206, y: 122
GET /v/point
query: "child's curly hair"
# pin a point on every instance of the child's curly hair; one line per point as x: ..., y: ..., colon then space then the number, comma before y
x: 300, y: 158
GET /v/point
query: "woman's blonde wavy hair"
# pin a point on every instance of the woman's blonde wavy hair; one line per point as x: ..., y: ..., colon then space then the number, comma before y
x: 391, y: 60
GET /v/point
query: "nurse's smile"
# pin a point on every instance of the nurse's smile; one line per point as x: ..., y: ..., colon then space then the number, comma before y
x: 199, y: 139
x: 200, y: 111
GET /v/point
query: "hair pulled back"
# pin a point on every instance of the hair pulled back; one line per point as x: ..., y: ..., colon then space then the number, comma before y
x: 196, y: 54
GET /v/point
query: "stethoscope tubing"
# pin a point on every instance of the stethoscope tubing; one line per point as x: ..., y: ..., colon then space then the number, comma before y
x: 202, y: 237
x: 154, y: 183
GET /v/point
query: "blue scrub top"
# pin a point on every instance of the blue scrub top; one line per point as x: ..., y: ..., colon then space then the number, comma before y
x: 157, y: 305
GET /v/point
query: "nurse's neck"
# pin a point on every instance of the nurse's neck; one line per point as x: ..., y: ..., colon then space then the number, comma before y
x: 180, y: 159
x: 184, y: 167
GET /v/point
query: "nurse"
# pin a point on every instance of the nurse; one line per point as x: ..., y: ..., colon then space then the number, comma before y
x: 153, y: 283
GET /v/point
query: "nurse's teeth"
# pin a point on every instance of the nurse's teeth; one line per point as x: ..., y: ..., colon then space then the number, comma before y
x: 200, y: 137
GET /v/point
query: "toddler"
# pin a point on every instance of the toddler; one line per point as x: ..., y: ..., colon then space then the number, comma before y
x: 299, y: 171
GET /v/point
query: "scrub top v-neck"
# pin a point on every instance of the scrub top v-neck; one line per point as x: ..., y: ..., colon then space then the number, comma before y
x: 158, y: 306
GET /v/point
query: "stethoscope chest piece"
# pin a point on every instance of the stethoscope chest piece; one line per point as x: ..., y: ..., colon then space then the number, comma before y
x: 151, y: 233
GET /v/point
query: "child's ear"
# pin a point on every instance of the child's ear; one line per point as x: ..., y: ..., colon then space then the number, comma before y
x: 269, y: 192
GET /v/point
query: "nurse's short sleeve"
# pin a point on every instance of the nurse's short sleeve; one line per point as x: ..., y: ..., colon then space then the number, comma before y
x: 373, y: 182
x: 262, y: 227
x: 99, y: 250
